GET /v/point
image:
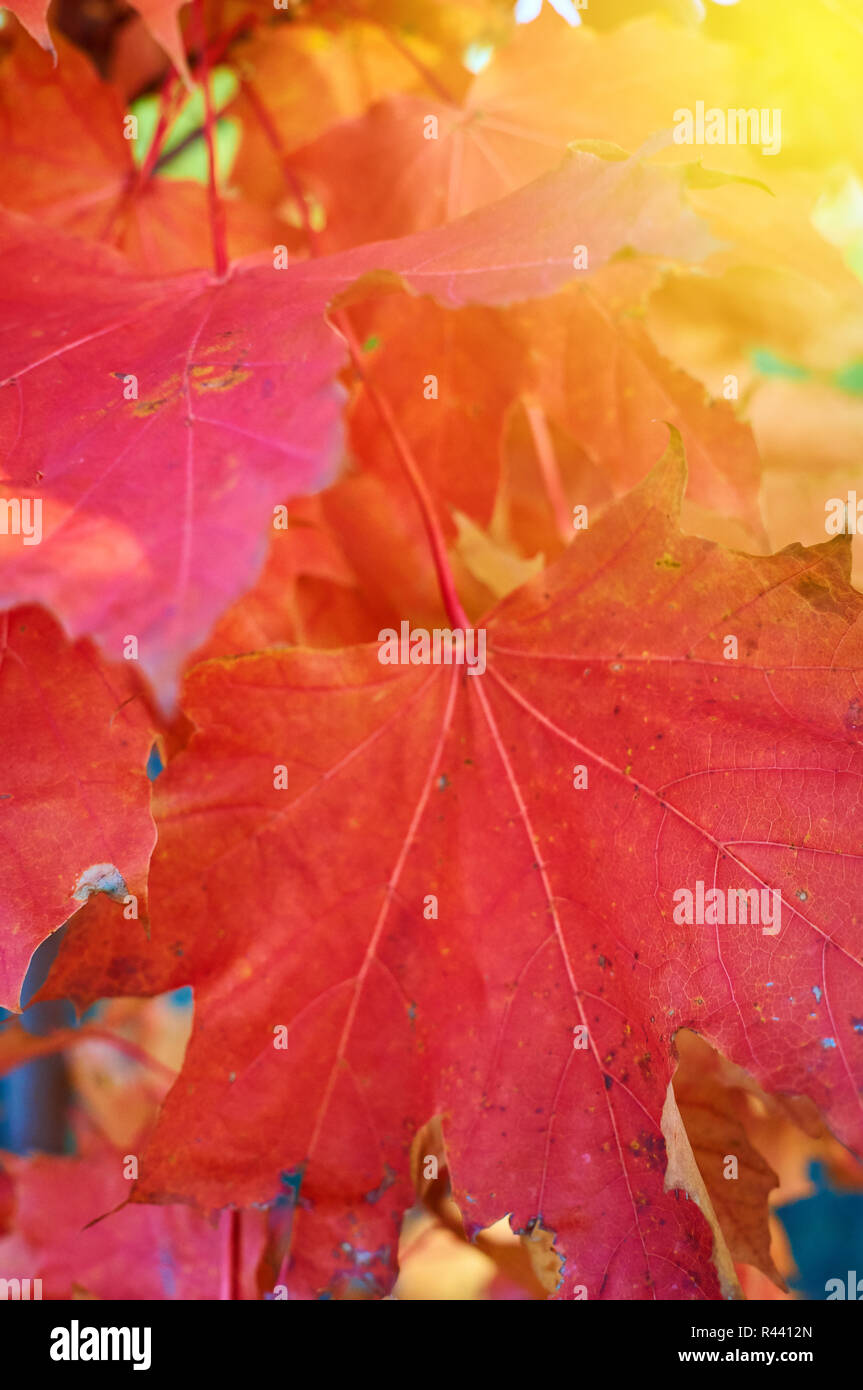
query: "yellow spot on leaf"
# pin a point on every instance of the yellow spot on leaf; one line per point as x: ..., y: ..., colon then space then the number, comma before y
x: 213, y: 378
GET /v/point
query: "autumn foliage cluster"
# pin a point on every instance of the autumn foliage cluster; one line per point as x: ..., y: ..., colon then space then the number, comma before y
x: 321, y: 319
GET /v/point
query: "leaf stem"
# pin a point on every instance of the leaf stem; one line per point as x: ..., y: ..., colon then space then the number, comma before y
x: 230, y: 1232
x: 342, y: 324
x: 171, y: 97
x: 548, y: 467
x: 217, y: 210
x: 213, y: 52
x: 166, y: 156
x: 167, y: 110
x: 267, y: 124
x: 437, y: 543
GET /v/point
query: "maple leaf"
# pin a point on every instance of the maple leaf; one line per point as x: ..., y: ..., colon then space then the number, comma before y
x: 457, y: 893
x: 160, y: 225
x: 237, y: 400
x: 74, y: 797
x: 547, y: 87
x: 335, y: 75
x: 442, y: 964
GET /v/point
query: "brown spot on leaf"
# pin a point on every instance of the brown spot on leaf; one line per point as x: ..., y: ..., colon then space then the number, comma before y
x: 854, y: 716
x: 652, y: 1146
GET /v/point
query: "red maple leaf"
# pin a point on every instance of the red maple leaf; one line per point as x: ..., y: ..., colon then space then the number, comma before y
x: 467, y: 868
x: 224, y: 391
x: 456, y: 936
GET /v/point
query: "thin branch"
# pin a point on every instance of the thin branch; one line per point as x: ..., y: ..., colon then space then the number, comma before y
x: 547, y: 459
